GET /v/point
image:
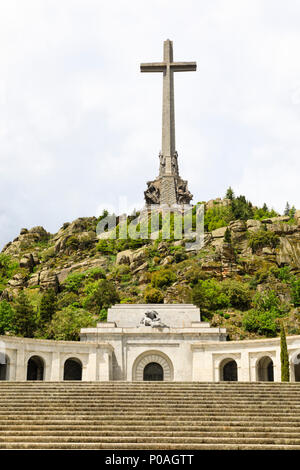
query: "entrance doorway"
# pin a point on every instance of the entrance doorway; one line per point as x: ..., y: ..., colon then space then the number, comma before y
x: 35, y: 368
x: 229, y: 371
x: 153, y: 372
x: 265, y: 370
x: 73, y: 369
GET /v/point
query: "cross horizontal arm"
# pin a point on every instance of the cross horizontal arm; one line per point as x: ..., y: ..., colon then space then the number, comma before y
x: 183, y: 66
x: 154, y: 67
x: 174, y: 66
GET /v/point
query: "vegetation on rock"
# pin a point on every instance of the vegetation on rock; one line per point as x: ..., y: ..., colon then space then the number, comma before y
x: 245, y: 277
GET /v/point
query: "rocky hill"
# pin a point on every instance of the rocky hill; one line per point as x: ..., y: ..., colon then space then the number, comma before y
x: 246, y: 278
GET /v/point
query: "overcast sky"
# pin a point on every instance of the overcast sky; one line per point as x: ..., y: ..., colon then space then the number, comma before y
x: 80, y: 126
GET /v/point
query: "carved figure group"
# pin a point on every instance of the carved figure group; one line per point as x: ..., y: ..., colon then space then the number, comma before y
x: 152, y: 319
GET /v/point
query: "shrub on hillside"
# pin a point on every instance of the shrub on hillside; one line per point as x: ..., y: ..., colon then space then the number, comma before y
x: 261, y: 322
x: 95, y: 273
x: 73, y: 242
x: 74, y: 282
x: 194, y: 274
x: 262, y: 238
x: 295, y: 291
x: 64, y: 299
x: 239, y: 294
x: 106, y: 247
x: 153, y: 296
x: 209, y: 296
x: 163, y: 277
x: 262, y: 318
x: 283, y: 274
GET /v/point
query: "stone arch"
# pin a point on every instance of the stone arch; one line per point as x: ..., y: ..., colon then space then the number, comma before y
x: 35, y: 368
x: 73, y: 369
x: 4, y: 366
x: 265, y: 369
x: 228, y: 370
x: 152, y: 357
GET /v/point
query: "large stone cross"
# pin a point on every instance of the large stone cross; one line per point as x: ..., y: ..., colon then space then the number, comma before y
x: 168, y: 67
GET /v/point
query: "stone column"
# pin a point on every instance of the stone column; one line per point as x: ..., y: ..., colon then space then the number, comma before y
x: 104, y: 363
x: 21, y: 369
x: 244, y: 370
x: 91, y: 368
x: 55, y: 367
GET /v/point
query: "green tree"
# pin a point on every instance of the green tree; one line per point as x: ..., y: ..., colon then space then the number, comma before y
x: 287, y: 209
x: 284, y: 356
x: 24, y: 316
x: 295, y: 291
x: 66, y: 323
x: 217, y: 217
x: 229, y: 193
x: 292, y: 212
x: 227, y: 236
x: 7, y: 269
x: 241, y: 208
x: 48, y: 306
x: 6, y: 317
x: 100, y: 294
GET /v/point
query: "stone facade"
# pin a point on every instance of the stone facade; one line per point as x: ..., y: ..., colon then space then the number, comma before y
x: 176, y: 340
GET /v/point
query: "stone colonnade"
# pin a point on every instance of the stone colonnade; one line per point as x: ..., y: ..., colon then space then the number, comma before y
x: 243, y: 361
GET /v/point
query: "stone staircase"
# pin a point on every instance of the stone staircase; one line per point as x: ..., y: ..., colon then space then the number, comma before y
x: 149, y: 415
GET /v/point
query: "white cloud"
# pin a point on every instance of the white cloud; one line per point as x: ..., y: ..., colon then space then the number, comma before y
x: 80, y: 127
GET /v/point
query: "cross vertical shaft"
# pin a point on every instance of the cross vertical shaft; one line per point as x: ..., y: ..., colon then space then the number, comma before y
x: 168, y: 188
x: 168, y: 112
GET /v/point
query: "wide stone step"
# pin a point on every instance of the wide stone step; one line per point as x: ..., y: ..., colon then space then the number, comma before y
x: 173, y: 425
x: 62, y: 428
x: 156, y: 440
x: 145, y: 419
x: 143, y: 446
x: 236, y: 386
x: 149, y: 405
x: 111, y: 413
x: 7, y: 436
x: 79, y: 415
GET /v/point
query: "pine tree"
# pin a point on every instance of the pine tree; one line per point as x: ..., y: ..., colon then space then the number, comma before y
x: 227, y: 236
x: 287, y: 209
x: 284, y: 356
x: 292, y: 212
x: 24, y: 316
x: 229, y: 193
x: 48, y: 307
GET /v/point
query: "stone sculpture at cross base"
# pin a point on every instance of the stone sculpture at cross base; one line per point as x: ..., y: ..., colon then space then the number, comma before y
x: 168, y: 188
x: 151, y: 318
